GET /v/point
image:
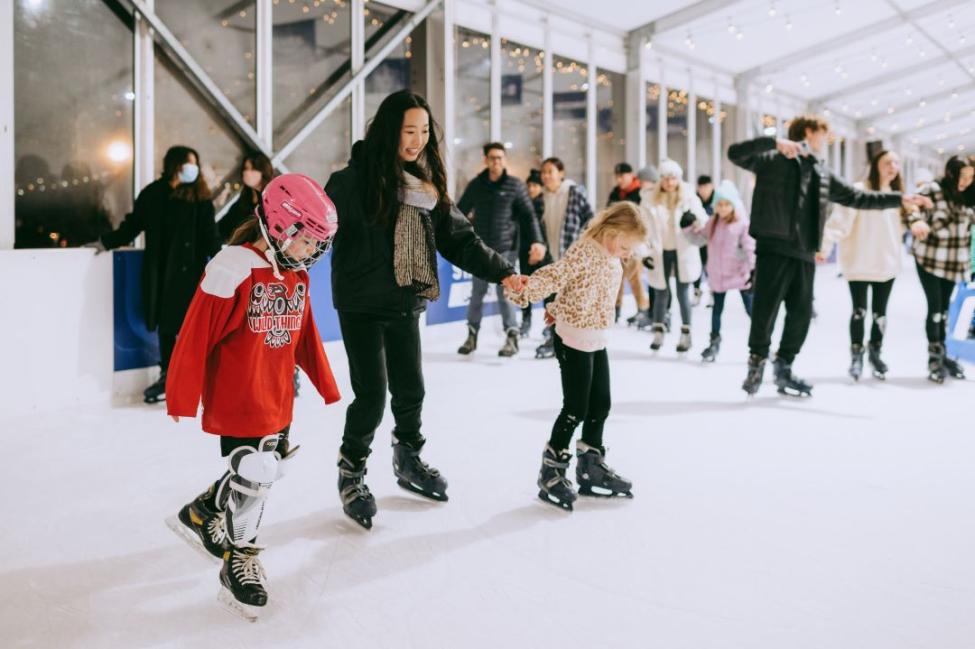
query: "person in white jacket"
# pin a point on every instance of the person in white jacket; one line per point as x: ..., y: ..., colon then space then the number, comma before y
x: 871, y: 250
x: 676, y: 221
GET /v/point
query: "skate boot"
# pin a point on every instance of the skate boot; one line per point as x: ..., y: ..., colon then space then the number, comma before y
x: 756, y: 369
x: 877, y: 363
x: 357, y: 502
x: 643, y: 320
x: 594, y: 477
x: 954, y: 368
x: 471, y: 343
x: 711, y: 353
x: 526, y: 326
x: 788, y: 383
x: 632, y: 319
x: 936, y: 363
x: 201, y: 526
x: 696, y: 300
x: 547, y: 348
x: 243, y: 579
x: 413, y: 474
x: 684, y: 344
x: 856, y: 362
x: 658, y: 337
x: 510, y: 347
x: 555, y: 488
x: 157, y: 391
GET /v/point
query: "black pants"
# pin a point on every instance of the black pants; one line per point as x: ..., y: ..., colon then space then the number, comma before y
x: 585, y: 395
x: 167, y: 341
x: 383, y: 351
x: 881, y: 295
x: 781, y: 279
x: 661, y: 298
x: 938, y: 293
x: 718, y: 309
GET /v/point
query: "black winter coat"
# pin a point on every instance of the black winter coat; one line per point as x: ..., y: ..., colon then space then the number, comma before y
x: 181, y: 237
x: 784, y: 187
x: 241, y: 210
x: 362, y: 253
x: 503, y: 211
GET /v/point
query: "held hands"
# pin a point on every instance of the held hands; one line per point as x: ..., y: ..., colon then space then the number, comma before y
x: 515, y: 283
x: 536, y: 253
x: 916, y: 200
x: 920, y: 230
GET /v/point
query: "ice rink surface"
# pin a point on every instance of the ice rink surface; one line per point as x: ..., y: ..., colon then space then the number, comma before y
x: 846, y: 521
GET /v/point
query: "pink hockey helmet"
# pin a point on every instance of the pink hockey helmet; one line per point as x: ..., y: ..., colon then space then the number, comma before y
x: 293, y: 205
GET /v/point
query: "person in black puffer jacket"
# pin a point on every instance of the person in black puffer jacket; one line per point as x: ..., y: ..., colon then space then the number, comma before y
x: 394, y: 217
x: 793, y: 189
x: 502, y: 215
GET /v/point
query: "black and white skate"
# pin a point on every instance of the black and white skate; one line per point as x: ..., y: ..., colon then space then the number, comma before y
x: 203, y: 529
x: 954, y: 368
x: 756, y: 370
x: 157, y: 391
x: 658, y: 337
x: 555, y: 488
x: 413, y: 474
x: 546, y: 349
x: 510, y: 347
x: 937, y: 372
x: 877, y: 364
x: 357, y: 502
x: 788, y: 383
x: 243, y: 581
x: 684, y: 342
x: 643, y: 320
x: 595, y: 477
x: 856, y: 362
x: 710, y: 354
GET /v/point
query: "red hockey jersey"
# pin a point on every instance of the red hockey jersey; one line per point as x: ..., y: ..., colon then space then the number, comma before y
x: 243, y: 334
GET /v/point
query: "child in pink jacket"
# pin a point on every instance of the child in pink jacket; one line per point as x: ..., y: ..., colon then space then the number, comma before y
x: 731, y: 258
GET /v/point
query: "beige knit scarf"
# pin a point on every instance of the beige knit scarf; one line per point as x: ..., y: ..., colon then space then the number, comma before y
x: 414, y: 248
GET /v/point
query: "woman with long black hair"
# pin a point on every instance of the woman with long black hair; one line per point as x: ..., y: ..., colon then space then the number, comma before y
x: 176, y: 213
x: 394, y: 216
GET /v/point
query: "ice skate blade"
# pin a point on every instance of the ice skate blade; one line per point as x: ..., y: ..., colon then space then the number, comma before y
x: 191, y: 539
x: 239, y: 609
x: 563, y: 505
x: 364, y: 521
x: 880, y: 376
x: 595, y: 492
x: 798, y: 394
x: 432, y: 495
x: 152, y: 400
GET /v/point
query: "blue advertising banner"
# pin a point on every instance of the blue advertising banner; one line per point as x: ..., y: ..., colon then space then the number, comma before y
x: 960, y: 317
x: 455, y: 293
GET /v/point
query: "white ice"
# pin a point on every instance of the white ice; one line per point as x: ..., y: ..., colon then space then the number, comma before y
x: 843, y: 521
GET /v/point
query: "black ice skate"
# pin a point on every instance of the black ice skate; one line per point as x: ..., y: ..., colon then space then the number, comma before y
x: 711, y: 352
x: 856, y: 361
x: 204, y: 529
x: 954, y: 368
x: 547, y: 348
x: 555, y: 488
x: 357, y: 502
x: 242, y: 577
x: 413, y: 474
x: 471, y: 343
x: 595, y: 478
x: 788, y: 383
x: 756, y: 369
x: 876, y: 362
x: 684, y: 342
x: 510, y: 347
x: 157, y: 391
x: 936, y: 363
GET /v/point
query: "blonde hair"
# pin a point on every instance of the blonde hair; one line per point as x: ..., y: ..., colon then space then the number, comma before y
x: 670, y: 200
x: 622, y: 218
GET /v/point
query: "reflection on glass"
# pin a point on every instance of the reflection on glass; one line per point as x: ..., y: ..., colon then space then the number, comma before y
x: 393, y: 73
x: 704, y: 126
x: 221, y: 36
x: 677, y: 127
x: 653, y: 124
x: 521, y: 106
x: 570, y: 84
x: 610, y: 141
x: 312, y: 60
x: 73, y: 138
x: 473, y: 104
x: 727, y: 117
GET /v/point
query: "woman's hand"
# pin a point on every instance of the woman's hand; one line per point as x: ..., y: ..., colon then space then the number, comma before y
x: 920, y: 230
x: 515, y: 283
x: 536, y: 253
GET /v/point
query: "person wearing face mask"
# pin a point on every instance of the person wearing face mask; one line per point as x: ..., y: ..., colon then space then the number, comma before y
x: 256, y: 172
x: 176, y: 213
x: 394, y: 217
x: 793, y: 189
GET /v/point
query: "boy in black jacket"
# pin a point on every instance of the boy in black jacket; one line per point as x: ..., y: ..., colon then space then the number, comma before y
x: 793, y: 188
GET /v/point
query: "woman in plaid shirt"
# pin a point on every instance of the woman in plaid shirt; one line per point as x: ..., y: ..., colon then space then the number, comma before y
x: 942, y: 250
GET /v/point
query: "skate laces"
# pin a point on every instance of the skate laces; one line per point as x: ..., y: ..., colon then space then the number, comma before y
x: 216, y: 528
x: 246, y: 567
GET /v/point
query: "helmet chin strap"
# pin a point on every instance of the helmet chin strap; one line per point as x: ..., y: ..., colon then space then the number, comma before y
x: 269, y: 252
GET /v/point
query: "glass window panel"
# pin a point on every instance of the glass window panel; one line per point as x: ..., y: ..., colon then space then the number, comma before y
x: 653, y: 124
x: 394, y: 73
x: 73, y: 116
x: 727, y: 117
x: 473, y: 102
x: 221, y: 36
x: 610, y: 124
x: 328, y: 148
x: 704, y: 127
x: 521, y: 107
x: 677, y: 127
x: 569, y: 117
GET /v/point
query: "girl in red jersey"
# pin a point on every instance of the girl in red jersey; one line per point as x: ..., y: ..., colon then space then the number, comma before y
x: 249, y: 324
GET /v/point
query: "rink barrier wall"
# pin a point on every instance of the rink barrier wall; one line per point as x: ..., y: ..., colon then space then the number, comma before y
x: 960, y: 316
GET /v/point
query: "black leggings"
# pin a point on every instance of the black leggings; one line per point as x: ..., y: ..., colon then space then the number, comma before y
x: 585, y: 395
x: 938, y: 293
x: 661, y: 297
x: 881, y: 294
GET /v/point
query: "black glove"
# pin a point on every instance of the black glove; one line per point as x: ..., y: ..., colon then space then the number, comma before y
x: 687, y: 219
x: 648, y: 262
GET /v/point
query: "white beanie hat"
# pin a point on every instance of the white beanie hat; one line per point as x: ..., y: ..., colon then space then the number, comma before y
x: 670, y: 168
